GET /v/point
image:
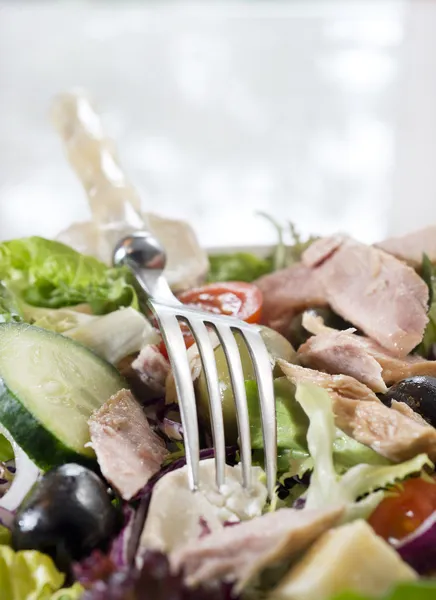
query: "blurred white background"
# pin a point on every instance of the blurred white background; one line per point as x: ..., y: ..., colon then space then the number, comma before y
x: 316, y: 111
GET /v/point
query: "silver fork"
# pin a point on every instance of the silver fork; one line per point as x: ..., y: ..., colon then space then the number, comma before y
x: 144, y: 255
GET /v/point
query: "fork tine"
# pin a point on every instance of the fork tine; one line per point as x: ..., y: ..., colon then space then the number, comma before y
x: 231, y: 351
x: 173, y: 338
x: 263, y: 370
x: 207, y: 355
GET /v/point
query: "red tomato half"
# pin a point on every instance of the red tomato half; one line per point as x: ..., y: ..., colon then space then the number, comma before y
x: 233, y: 298
x: 400, y: 514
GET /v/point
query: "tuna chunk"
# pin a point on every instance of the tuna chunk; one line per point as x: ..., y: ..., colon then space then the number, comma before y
x: 387, y: 431
x: 243, y: 551
x: 288, y: 292
x: 339, y: 352
x: 411, y: 247
x: 127, y: 449
x: 373, y: 290
x: 323, y: 249
x: 390, y: 432
x: 342, y: 386
x: 405, y: 410
x: 345, y: 352
x: 146, y: 373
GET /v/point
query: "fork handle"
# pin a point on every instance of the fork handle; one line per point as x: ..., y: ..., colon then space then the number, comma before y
x: 153, y: 285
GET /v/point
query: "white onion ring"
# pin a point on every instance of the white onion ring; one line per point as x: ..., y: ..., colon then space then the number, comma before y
x: 26, y: 474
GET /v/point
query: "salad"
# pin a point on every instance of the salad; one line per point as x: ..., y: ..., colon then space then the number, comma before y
x: 94, y: 496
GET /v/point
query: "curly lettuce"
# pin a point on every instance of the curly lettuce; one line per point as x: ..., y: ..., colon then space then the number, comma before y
x: 49, y: 274
x: 292, y: 429
x: 327, y: 487
x: 30, y: 575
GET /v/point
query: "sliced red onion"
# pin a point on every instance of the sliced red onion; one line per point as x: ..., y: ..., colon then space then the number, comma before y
x: 170, y: 427
x: 418, y: 549
x: 25, y: 476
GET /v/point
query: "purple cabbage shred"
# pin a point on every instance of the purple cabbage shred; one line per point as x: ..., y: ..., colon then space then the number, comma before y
x: 154, y: 581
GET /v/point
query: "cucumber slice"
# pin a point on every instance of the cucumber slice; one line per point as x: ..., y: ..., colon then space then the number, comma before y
x: 49, y: 386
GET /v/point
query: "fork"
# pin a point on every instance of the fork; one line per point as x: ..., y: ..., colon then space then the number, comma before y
x: 146, y: 258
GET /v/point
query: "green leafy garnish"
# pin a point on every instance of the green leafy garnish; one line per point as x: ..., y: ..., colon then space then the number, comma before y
x: 52, y: 275
x: 429, y: 275
x: 417, y: 590
x: 30, y: 575
x: 240, y: 266
x: 287, y: 252
x: 244, y: 266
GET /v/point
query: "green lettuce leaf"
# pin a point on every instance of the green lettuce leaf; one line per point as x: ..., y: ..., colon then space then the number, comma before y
x: 30, y: 575
x: 347, y: 453
x: 9, y: 311
x: 6, y: 451
x: 327, y: 487
x: 292, y: 427
x: 52, y: 275
x: 240, y: 266
x: 72, y: 593
x: 5, y: 536
x: 58, y: 320
x: 417, y: 590
x: 292, y: 422
x: 116, y: 335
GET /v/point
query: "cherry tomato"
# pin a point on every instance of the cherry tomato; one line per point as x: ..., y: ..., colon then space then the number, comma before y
x: 401, y: 513
x: 233, y: 298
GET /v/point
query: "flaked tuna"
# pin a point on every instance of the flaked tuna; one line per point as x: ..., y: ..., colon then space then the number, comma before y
x: 128, y: 451
x: 362, y: 416
x: 288, y: 292
x: 373, y: 290
x: 241, y: 552
x: 345, y: 352
x: 387, y: 431
x: 337, y: 385
x: 411, y: 247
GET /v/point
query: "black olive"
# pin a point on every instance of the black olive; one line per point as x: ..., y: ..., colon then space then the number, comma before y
x: 417, y: 392
x: 67, y: 514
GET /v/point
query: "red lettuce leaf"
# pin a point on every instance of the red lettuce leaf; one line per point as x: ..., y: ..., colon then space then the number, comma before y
x: 154, y: 581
